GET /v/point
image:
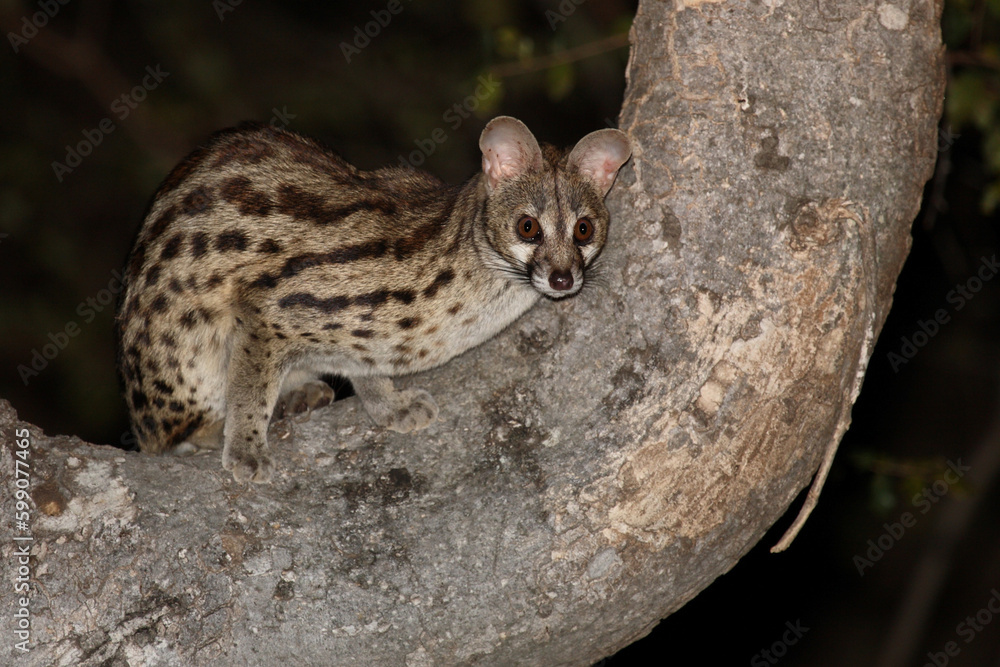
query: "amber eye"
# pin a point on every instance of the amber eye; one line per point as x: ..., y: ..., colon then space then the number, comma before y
x: 584, y: 230
x: 528, y: 228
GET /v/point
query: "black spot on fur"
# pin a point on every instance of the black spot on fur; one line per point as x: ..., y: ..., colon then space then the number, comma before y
x: 149, y: 426
x: 193, y: 425
x: 269, y: 246
x: 196, y: 202
x: 312, y: 206
x: 159, y: 304
x: 373, y: 299
x: 301, y: 205
x: 363, y: 333
x: 163, y: 387
x: 416, y: 240
x: 408, y: 322
x: 406, y: 296
x: 265, y: 281
x: 153, y: 275
x: 231, y: 239
x: 239, y: 190
x: 160, y: 224
x: 295, y: 265
x: 331, y: 305
x: 171, y: 247
x: 199, y: 244
x: 139, y: 400
x: 440, y: 281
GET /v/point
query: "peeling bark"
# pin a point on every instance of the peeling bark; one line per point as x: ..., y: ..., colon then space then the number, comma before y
x: 600, y: 462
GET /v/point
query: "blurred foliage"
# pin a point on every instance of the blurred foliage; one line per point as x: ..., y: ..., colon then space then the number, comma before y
x: 896, y: 480
x: 971, y: 31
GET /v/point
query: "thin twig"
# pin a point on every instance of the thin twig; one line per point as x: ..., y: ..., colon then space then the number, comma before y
x: 538, y: 63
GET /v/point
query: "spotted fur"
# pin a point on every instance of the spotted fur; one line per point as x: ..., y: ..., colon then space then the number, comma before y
x: 266, y: 261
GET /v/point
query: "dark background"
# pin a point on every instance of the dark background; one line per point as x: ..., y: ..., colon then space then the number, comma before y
x: 563, y: 74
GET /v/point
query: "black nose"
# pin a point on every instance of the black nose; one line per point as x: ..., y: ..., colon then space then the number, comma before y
x: 561, y: 280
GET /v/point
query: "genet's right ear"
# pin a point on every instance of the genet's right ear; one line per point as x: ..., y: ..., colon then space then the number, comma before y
x: 599, y: 156
x: 509, y: 150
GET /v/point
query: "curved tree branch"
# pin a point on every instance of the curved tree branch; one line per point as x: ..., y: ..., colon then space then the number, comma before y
x: 599, y: 463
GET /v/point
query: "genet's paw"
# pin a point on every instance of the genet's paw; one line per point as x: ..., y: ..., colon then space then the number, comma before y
x: 304, y: 399
x: 413, y: 410
x: 247, y: 466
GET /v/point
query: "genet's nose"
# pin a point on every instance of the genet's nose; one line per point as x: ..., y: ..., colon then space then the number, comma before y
x: 561, y: 280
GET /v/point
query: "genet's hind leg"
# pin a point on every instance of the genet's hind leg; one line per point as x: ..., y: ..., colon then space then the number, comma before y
x: 301, y: 393
x: 253, y: 384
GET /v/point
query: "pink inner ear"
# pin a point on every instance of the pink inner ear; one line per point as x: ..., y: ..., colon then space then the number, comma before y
x: 601, y: 171
x: 608, y: 168
x: 503, y: 161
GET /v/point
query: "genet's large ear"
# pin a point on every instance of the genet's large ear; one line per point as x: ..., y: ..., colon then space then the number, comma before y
x: 509, y: 149
x: 599, y: 156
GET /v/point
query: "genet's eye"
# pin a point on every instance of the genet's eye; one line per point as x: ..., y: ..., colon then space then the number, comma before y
x: 583, y: 231
x: 528, y: 228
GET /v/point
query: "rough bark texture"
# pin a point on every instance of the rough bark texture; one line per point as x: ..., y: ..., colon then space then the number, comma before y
x: 599, y: 463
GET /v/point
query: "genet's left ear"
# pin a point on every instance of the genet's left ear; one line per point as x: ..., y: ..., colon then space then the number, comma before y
x: 599, y: 156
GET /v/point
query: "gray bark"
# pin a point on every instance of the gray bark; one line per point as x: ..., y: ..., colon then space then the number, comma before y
x: 600, y: 462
